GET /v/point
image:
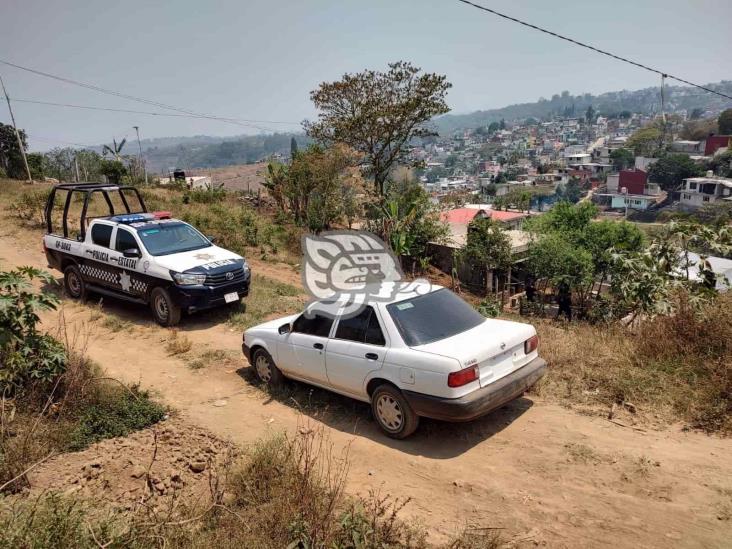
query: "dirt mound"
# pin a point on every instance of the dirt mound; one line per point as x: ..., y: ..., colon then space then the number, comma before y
x: 173, y: 459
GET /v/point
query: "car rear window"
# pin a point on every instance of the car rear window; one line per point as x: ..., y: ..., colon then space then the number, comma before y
x: 434, y: 316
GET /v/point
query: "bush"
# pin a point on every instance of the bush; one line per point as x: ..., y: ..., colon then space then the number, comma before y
x: 114, y: 411
x: 26, y: 355
x: 204, y: 196
x: 31, y: 206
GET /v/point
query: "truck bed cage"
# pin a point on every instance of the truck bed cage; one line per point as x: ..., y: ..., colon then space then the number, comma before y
x: 88, y: 189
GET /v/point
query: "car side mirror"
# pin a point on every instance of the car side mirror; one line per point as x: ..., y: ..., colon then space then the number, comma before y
x: 284, y: 329
x: 132, y: 252
x: 211, y: 239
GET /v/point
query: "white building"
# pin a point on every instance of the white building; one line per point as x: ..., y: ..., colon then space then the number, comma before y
x: 699, y: 191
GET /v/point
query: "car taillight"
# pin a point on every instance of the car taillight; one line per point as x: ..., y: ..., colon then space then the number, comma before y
x: 463, y: 377
x: 531, y: 344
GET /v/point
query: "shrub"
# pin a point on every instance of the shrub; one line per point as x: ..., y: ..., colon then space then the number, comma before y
x: 26, y: 355
x: 31, y: 206
x: 204, y: 196
x: 114, y: 411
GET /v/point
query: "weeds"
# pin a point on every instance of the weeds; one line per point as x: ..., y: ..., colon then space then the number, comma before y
x: 267, y: 299
x: 178, y: 344
x: 114, y: 323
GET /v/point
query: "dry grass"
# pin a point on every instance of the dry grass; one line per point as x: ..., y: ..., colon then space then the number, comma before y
x: 178, y: 344
x: 676, y: 368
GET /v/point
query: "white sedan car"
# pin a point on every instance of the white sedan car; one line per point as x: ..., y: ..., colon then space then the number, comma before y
x: 426, y: 353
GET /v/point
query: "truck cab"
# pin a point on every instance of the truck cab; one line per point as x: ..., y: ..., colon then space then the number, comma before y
x: 144, y: 257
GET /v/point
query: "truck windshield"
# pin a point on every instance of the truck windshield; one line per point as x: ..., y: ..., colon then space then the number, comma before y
x: 172, y: 238
x: 434, y: 316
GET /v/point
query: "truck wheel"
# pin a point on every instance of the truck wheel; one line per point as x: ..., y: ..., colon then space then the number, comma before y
x: 266, y: 370
x: 74, y: 282
x: 393, y: 413
x: 164, y: 309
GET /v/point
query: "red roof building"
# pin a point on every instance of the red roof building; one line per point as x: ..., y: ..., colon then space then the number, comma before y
x: 634, y: 181
x: 715, y: 142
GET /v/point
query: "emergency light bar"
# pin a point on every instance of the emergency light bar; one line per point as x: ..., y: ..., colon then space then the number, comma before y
x: 132, y: 218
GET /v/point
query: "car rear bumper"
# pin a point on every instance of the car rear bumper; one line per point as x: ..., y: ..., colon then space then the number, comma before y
x: 199, y: 298
x: 481, y: 401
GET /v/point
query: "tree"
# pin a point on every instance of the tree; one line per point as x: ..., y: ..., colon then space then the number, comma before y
x: 725, y: 122
x: 59, y: 163
x: 622, y: 159
x: 11, y: 157
x: 35, y: 164
x: 696, y: 113
x: 670, y: 170
x: 489, y: 246
x: 113, y: 170
x: 570, y: 191
x: 646, y: 141
x: 293, y: 147
x: 378, y: 113
x: 115, y: 150
x: 696, y: 130
x: 590, y: 114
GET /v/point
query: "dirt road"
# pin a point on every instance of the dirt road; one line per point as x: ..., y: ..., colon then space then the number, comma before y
x: 543, y: 474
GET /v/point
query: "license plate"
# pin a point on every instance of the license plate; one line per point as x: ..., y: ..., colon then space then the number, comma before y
x: 230, y: 298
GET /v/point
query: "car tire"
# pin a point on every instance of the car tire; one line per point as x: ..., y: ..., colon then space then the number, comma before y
x: 265, y: 368
x: 392, y: 412
x: 74, y: 284
x: 164, y: 309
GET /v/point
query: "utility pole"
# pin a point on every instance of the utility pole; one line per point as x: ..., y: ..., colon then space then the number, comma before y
x: 17, y: 135
x: 142, y: 163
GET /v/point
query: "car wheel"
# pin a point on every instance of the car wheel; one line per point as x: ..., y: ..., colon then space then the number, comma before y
x: 393, y: 413
x: 74, y: 282
x: 164, y: 309
x: 265, y: 368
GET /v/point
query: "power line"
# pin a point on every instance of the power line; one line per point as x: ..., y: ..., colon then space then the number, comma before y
x: 150, y: 113
x: 129, y: 97
x: 589, y: 47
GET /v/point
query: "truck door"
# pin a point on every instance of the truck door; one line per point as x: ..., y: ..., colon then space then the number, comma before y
x: 132, y: 279
x: 357, y: 348
x: 96, y: 265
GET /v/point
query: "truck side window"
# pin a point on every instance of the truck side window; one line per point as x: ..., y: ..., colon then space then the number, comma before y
x: 125, y: 240
x: 316, y: 325
x: 101, y: 234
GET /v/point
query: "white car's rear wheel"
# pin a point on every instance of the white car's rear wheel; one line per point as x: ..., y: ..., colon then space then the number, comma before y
x: 393, y: 413
x: 265, y: 368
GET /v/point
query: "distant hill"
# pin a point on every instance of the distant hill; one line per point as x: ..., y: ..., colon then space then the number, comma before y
x: 645, y: 101
x: 214, y: 152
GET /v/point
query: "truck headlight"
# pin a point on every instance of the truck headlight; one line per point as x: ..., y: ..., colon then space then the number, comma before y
x: 189, y: 279
x: 245, y: 267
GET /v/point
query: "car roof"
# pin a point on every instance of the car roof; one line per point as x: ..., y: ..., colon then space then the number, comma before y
x: 404, y: 290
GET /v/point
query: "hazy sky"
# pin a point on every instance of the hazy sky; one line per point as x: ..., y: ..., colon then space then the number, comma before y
x: 258, y: 59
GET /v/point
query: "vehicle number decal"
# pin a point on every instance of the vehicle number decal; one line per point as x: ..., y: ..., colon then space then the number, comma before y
x: 220, y: 263
x: 65, y: 246
x: 100, y: 256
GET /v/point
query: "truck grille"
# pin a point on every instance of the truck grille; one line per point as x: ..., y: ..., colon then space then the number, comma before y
x: 220, y: 279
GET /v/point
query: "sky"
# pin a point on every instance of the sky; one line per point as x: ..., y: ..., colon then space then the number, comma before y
x: 258, y: 60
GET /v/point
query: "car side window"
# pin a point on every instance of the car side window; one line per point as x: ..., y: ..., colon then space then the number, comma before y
x: 101, y: 234
x: 125, y: 240
x: 362, y: 328
x: 316, y: 325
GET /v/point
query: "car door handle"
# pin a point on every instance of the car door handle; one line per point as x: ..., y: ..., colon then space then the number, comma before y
x: 372, y: 356
x: 318, y: 345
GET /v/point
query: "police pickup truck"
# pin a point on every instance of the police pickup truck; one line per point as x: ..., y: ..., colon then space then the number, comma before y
x: 140, y: 256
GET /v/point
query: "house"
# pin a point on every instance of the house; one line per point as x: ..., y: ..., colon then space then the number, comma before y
x: 632, y: 201
x: 688, y: 147
x: 633, y: 181
x: 715, y: 142
x: 461, y: 217
x: 699, y: 191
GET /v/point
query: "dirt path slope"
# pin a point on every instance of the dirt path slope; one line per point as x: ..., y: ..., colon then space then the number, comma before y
x: 544, y: 474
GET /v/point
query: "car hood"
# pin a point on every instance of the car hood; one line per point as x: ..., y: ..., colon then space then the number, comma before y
x: 205, y: 260
x: 489, y: 339
x: 272, y: 324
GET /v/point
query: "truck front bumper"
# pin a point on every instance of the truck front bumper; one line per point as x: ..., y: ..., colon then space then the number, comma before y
x: 199, y: 298
x: 481, y: 401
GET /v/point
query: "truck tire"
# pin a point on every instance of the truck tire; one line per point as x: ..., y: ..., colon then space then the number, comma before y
x: 392, y: 412
x: 74, y: 283
x: 164, y: 309
x: 266, y: 370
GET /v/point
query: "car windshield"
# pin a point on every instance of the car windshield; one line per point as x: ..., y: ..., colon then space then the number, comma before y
x: 172, y: 238
x: 432, y: 317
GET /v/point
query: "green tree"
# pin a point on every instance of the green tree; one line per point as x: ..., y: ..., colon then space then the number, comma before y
x: 59, y: 163
x: 557, y: 260
x: 11, y: 158
x: 670, y: 170
x: 622, y: 159
x: 590, y: 114
x: 115, y: 150
x: 489, y: 246
x: 646, y: 141
x: 378, y: 113
x: 114, y: 170
x: 293, y: 147
x: 725, y: 122
x: 570, y: 191
x: 35, y: 164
